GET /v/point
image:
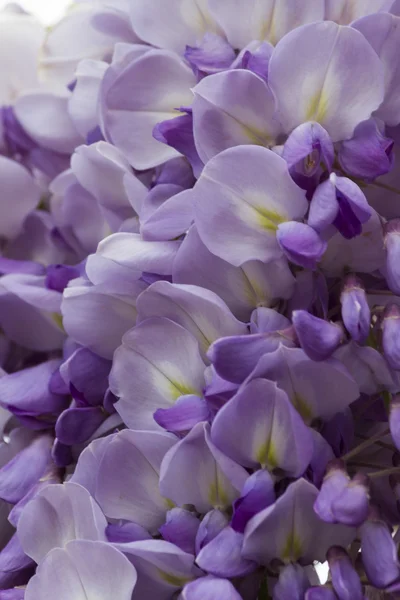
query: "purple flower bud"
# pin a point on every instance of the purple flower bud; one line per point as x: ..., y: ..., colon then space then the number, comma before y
x: 345, y: 580
x: 306, y: 148
x: 58, y: 276
x: 181, y: 528
x: 178, y: 133
x: 351, y: 506
x: 257, y: 60
x: 392, y: 243
x: 356, y: 313
x: 334, y: 483
x: 301, y: 244
x: 212, y: 55
x: 368, y: 154
x: 318, y: 338
x: 391, y: 336
x: 339, y: 201
x: 211, y: 525
x: 257, y: 494
x: 292, y: 583
x: 379, y: 552
x: 342, y: 500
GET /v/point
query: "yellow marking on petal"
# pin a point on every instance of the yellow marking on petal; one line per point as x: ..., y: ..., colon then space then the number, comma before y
x: 178, y: 389
x: 169, y: 503
x: 175, y: 580
x: 317, y: 107
x: 256, y: 136
x: 292, y: 549
x: 269, y: 219
x: 266, y: 455
x: 302, y: 407
x: 58, y: 320
x: 217, y: 495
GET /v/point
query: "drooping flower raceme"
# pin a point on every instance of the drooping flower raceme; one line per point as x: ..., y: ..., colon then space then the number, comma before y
x: 199, y: 301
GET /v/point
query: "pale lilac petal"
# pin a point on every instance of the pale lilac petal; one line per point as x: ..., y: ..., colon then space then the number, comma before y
x: 214, y: 483
x: 242, y: 288
x: 173, y: 26
x: 383, y: 33
x: 127, y: 483
x: 266, y: 20
x: 198, y: 310
x: 242, y: 196
x: 230, y: 109
x: 315, y: 389
x: 98, y: 318
x: 44, y: 116
x: 82, y: 103
x: 286, y: 530
x: 129, y: 251
x: 171, y: 220
x: 160, y: 360
x: 148, y: 90
x: 336, y: 92
x: 83, y: 570
x: 57, y: 515
x: 210, y: 588
x: 265, y: 413
x: 100, y: 168
x: 20, y: 195
x: 21, y: 39
x: 344, y: 12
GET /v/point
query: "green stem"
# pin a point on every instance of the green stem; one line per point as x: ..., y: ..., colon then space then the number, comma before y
x: 365, y: 444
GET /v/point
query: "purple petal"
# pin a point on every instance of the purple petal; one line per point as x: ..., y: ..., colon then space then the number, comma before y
x: 83, y: 569
x: 180, y: 528
x: 257, y: 494
x: 318, y: 338
x: 209, y: 588
x: 211, y: 525
x: 184, y: 415
x: 262, y: 409
x: 292, y: 583
x: 301, y: 244
x: 356, y: 313
x: 222, y: 556
x: 379, y: 553
x: 368, y: 154
x: 15, y: 479
x: 345, y: 579
x: 58, y: 514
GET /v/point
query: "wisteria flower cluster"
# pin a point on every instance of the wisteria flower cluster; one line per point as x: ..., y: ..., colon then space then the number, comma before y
x: 200, y: 301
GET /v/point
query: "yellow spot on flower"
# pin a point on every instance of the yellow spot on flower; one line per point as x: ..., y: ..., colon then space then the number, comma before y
x: 178, y: 389
x: 302, y: 407
x: 266, y: 455
x: 292, y: 549
x: 175, y: 580
x: 269, y: 219
x: 317, y: 107
x: 58, y: 320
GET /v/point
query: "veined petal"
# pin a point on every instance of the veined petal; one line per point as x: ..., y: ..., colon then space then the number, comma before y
x: 324, y: 72
x: 242, y: 196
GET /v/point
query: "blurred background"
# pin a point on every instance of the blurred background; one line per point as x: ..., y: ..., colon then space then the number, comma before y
x: 48, y: 11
